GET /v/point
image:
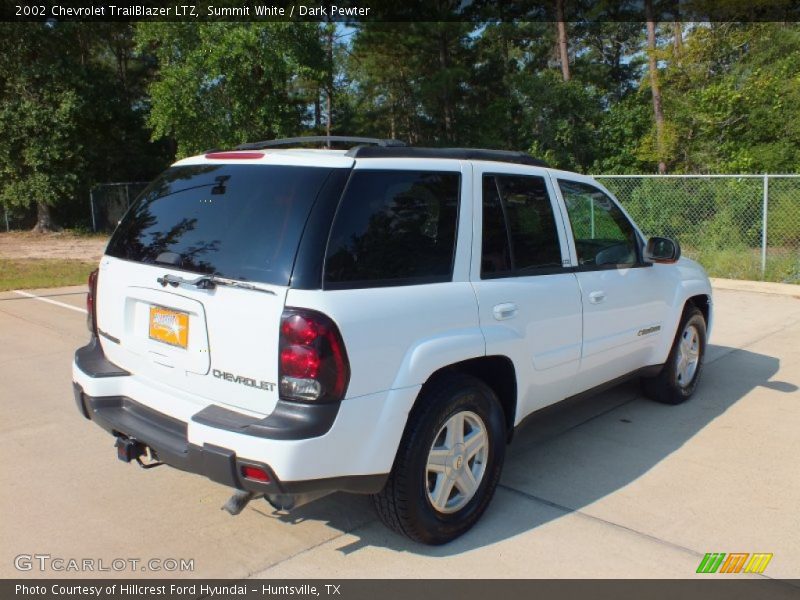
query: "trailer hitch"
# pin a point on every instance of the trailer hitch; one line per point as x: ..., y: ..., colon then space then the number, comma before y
x: 129, y: 450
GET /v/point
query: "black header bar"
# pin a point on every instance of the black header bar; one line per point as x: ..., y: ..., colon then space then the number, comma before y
x: 396, y: 11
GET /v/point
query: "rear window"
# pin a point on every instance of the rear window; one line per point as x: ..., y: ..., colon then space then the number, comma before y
x: 237, y: 221
x: 394, y: 228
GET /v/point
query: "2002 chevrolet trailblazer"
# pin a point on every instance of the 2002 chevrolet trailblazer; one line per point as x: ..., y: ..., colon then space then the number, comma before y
x: 292, y: 322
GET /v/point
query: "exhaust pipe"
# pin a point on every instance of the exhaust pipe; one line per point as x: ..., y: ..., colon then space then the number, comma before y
x: 238, y: 501
x: 287, y: 502
x: 281, y: 502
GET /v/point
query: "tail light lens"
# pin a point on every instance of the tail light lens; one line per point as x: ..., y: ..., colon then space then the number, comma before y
x: 312, y: 364
x: 91, y: 303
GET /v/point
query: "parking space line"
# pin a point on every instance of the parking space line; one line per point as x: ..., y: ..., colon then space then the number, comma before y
x: 83, y: 293
x: 49, y: 301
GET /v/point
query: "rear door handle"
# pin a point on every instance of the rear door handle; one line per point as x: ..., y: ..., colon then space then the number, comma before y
x: 507, y: 310
x: 597, y: 297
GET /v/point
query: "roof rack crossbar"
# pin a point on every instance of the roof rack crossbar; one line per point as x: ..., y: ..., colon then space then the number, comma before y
x: 320, y: 139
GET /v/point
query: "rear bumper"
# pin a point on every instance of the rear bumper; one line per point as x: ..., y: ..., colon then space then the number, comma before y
x: 302, y: 451
x: 167, y: 437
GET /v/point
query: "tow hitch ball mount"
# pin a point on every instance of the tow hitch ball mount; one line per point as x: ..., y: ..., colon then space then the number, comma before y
x: 129, y: 450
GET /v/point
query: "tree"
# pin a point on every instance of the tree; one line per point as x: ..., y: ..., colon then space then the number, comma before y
x: 733, y: 98
x: 222, y: 84
x: 655, y: 91
x: 411, y: 79
x: 40, y: 107
x: 72, y: 114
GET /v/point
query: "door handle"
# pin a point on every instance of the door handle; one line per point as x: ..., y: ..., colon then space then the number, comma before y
x: 507, y: 310
x: 597, y: 297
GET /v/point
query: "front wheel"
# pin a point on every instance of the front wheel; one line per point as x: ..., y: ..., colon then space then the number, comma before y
x: 448, y: 463
x: 678, y: 379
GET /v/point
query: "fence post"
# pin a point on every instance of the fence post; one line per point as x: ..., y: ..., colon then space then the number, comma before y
x: 91, y: 204
x: 764, y: 205
x: 5, y: 214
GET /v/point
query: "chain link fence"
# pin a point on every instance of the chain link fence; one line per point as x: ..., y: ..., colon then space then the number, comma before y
x: 736, y: 226
x: 109, y: 201
x: 15, y: 219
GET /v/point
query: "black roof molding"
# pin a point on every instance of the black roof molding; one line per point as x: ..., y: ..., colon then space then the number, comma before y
x: 320, y: 139
x: 508, y: 156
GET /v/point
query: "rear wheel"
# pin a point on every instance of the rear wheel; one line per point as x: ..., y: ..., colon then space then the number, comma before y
x: 448, y: 463
x: 678, y: 379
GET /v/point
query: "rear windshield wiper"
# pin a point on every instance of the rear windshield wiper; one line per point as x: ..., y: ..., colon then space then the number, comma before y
x: 209, y: 282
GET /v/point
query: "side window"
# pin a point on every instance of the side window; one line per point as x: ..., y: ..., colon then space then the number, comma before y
x: 394, y: 228
x: 519, y: 228
x: 603, y: 235
x: 496, y: 251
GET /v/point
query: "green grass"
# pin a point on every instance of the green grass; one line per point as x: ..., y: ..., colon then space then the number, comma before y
x: 783, y: 264
x: 30, y: 273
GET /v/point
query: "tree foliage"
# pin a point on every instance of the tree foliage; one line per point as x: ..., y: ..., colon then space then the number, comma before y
x: 226, y: 83
x: 82, y: 104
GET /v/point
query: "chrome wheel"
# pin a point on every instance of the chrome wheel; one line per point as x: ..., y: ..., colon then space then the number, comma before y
x: 688, y: 355
x: 457, y: 462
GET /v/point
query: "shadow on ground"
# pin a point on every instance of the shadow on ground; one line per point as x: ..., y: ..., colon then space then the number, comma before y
x: 571, y: 455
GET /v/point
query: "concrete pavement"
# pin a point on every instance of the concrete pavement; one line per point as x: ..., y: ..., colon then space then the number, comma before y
x: 612, y: 486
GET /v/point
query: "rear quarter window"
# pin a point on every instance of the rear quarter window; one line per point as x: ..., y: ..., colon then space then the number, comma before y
x: 394, y: 228
x: 243, y: 222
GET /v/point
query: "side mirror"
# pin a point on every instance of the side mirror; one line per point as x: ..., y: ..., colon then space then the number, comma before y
x: 662, y: 250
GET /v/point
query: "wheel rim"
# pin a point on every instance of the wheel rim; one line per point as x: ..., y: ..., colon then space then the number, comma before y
x: 688, y: 355
x: 457, y: 462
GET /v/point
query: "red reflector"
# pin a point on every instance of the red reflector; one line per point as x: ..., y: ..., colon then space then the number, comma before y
x: 235, y: 155
x: 299, y: 361
x: 256, y: 473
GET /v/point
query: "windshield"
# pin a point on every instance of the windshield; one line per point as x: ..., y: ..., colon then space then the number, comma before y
x: 237, y: 221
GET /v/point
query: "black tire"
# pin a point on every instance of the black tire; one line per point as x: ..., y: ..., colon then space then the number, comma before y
x: 404, y: 504
x: 667, y: 387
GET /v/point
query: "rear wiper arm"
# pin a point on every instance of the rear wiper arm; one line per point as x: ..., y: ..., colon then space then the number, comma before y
x: 209, y: 282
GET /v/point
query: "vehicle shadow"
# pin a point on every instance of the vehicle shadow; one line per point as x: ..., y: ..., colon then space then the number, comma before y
x: 571, y: 455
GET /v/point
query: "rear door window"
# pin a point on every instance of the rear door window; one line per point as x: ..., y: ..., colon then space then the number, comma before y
x: 242, y: 222
x: 520, y: 235
x: 394, y: 228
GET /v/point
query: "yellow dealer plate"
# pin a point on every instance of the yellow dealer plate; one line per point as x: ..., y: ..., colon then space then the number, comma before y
x: 169, y: 326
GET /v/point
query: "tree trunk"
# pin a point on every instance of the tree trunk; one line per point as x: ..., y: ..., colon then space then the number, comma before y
x: 44, y: 219
x: 510, y: 117
x: 328, y: 110
x: 563, y: 47
x: 677, y: 30
x: 444, y: 64
x: 329, y: 81
x: 317, y: 110
x: 392, y: 120
x: 658, y: 111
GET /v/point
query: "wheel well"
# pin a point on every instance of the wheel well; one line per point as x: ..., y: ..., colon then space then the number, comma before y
x: 495, y: 371
x: 701, y: 302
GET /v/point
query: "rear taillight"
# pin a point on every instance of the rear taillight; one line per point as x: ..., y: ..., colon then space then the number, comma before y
x: 91, y: 303
x: 312, y: 363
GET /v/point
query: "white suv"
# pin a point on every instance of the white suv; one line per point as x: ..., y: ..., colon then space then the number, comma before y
x: 291, y: 322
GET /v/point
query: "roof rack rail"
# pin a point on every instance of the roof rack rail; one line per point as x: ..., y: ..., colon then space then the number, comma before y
x: 320, y: 139
x: 510, y: 156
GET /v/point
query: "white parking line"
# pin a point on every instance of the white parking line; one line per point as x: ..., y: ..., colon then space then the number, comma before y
x: 49, y: 301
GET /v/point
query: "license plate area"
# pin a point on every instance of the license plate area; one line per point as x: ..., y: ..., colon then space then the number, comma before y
x: 169, y: 326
